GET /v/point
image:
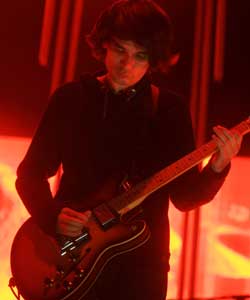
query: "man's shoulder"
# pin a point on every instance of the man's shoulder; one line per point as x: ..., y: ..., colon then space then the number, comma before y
x: 74, y: 92
x: 169, y: 98
x: 68, y: 89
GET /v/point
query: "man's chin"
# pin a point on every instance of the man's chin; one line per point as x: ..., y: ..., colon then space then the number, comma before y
x: 125, y: 82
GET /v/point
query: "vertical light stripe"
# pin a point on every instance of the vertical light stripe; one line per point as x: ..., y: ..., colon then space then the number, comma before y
x: 184, y: 259
x: 205, y: 71
x: 189, y: 218
x: 60, y: 47
x: 219, y: 46
x: 194, y: 93
x: 47, y: 31
x: 74, y: 39
x: 199, y: 99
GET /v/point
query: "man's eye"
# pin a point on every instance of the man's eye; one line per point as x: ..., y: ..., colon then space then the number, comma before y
x: 119, y: 49
x: 142, y: 56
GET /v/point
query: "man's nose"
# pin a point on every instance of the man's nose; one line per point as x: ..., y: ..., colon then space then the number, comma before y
x: 128, y: 61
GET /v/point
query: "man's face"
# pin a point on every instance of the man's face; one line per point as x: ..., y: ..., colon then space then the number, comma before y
x: 126, y: 62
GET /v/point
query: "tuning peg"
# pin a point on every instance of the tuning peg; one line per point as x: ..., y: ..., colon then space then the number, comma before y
x: 79, y: 273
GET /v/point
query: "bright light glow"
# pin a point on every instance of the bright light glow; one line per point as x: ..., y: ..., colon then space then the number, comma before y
x: 13, y: 213
x: 228, y: 262
x: 225, y: 240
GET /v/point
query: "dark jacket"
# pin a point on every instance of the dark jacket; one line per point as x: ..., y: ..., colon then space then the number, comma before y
x: 95, y: 135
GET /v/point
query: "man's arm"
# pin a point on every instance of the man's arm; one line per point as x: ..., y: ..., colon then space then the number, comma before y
x: 194, y: 189
x: 42, y: 161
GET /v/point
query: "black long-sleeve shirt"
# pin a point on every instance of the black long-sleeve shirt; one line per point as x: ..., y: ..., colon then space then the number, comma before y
x: 95, y: 134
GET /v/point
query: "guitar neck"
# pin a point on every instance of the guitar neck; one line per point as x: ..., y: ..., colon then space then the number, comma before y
x: 139, y: 192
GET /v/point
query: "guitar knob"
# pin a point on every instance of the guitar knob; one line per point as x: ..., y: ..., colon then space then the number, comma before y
x: 49, y: 282
x: 79, y: 272
x: 60, y: 271
x: 134, y: 227
x: 73, y: 258
x: 67, y: 285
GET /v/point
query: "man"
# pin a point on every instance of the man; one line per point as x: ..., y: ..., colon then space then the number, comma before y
x: 116, y: 124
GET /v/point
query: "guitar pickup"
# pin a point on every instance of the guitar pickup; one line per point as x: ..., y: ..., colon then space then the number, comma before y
x: 104, y: 215
x: 71, y: 244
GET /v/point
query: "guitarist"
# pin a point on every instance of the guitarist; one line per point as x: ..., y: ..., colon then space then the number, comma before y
x: 111, y: 125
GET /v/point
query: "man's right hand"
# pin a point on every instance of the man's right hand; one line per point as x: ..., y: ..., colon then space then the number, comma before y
x: 71, y: 222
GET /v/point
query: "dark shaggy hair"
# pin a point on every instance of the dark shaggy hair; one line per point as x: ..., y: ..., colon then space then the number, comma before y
x: 141, y: 21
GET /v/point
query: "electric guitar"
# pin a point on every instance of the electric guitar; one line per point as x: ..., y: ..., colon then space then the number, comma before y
x: 45, y: 269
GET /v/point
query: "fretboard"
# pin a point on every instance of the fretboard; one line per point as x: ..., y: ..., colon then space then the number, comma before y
x: 140, y: 191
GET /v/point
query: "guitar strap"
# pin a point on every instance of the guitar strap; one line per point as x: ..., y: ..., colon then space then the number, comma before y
x: 155, y: 98
x: 126, y: 183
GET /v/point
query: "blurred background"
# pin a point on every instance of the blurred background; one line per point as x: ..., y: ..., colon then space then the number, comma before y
x: 43, y: 46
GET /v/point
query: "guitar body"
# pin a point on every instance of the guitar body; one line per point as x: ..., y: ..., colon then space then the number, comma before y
x: 42, y: 273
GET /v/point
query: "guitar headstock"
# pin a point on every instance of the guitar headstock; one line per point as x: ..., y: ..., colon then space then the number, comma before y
x: 243, y: 127
x: 248, y: 122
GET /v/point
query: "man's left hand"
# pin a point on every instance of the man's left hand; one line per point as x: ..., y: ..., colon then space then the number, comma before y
x: 229, y: 143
